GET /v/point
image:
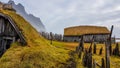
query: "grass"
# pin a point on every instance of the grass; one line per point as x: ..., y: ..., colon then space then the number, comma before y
x: 38, y: 53
x: 81, y: 30
x: 66, y: 45
x: 114, y: 60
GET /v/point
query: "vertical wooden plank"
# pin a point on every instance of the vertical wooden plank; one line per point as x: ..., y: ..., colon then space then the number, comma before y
x: 81, y: 43
x: 100, y: 52
x: 3, y: 25
x: 94, y: 50
x: 107, y: 46
x: 0, y: 37
x: 13, y: 39
x: 111, y: 32
x: 4, y: 45
x: 0, y: 25
x: 107, y: 55
x: 94, y: 64
x: 103, y: 63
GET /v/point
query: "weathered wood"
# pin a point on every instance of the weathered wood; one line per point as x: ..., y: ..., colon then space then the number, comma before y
x: 84, y: 59
x: 116, y: 50
x: 98, y: 65
x: 99, y: 38
x: 2, y: 25
x: 107, y: 46
x: 110, y: 49
x: 94, y: 50
x: 107, y: 54
x: 77, y: 49
x: 111, y: 32
x: 94, y: 64
x: 16, y: 29
x: 80, y: 53
x: 90, y: 60
x: 9, y: 33
x: 81, y: 43
x: 87, y: 59
x: 90, y: 49
x: 3, y: 46
x: 101, y: 50
x: 103, y: 63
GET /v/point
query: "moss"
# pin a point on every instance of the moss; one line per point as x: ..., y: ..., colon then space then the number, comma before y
x: 81, y: 30
x: 38, y: 53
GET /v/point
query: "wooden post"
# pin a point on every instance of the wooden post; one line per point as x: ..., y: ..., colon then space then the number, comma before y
x: 103, y: 63
x: 90, y: 49
x: 94, y: 64
x: 80, y: 53
x: 110, y: 49
x: 51, y: 37
x: 100, y: 52
x: 81, y: 43
x: 117, y: 49
x: 107, y: 54
x: 89, y: 60
x: 94, y: 50
x: 107, y: 46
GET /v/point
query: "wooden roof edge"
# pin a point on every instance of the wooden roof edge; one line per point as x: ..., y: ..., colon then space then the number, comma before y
x: 102, y: 28
x: 90, y: 34
x: 23, y: 40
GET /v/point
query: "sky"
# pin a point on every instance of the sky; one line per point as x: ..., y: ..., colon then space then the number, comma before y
x: 59, y: 14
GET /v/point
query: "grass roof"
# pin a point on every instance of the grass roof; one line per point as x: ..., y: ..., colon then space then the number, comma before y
x: 38, y: 53
x: 81, y: 30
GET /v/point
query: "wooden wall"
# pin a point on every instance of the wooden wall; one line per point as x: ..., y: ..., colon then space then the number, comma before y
x: 7, y: 35
x: 87, y: 38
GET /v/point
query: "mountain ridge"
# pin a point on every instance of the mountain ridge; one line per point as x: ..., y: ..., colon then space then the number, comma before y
x: 33, y: 20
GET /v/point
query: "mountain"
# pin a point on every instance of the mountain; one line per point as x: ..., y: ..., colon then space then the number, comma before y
x: 34, y: 21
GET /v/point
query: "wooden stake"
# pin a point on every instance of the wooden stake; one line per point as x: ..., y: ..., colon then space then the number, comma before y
x: 107, y: 46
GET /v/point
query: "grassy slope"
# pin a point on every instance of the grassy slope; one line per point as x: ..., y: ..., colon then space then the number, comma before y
x: 38, y: 52
x: 115, y: 61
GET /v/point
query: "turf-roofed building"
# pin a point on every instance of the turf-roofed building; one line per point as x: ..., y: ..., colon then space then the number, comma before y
x: 89, y: 33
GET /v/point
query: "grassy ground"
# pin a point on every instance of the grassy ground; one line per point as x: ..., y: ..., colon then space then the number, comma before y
x: 114, y: 60
x: 38, y: 53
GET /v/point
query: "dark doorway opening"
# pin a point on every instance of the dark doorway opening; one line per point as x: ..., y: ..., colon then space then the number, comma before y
x: 9, y: 42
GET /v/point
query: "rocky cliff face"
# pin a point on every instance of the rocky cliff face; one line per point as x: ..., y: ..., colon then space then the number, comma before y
x: 34, y: 21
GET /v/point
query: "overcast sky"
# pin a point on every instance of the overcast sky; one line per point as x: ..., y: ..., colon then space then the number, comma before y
x: 58, y: 14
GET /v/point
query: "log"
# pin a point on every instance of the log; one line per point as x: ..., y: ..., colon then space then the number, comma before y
x: 94, y: 50
x: 103, y: 63
x: 81, y: 43
x: 107, y: 47
x: 94, y: 64
x: 101, y: 50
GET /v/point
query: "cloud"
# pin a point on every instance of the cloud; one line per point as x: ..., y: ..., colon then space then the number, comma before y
x: 58, y: 14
